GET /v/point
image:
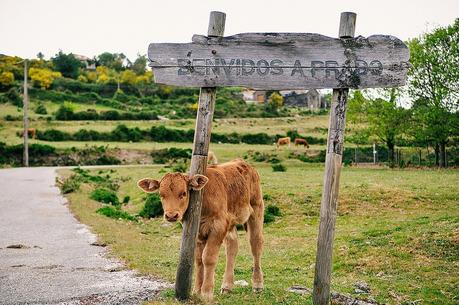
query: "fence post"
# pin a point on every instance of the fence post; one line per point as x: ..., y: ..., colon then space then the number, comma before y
x: 202, y: 133
x: 329, y: 202
x: 25, y: 108
x: 374, y: 153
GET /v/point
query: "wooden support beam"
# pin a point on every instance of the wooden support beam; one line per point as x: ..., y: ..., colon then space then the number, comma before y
x: 329, y: 202
x: 192, y: 217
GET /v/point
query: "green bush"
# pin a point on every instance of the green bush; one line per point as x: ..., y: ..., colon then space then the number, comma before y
x: 271, y: 212
x: 70, y: 185
x: 104, y: 196
x: 180, y: 167
x: 165, y: 155
x: 153, y: 207
x: 10, y: 117
x: 13, y: 96
x: 115, y: 213
x: 126, y: 199
x: 41, y: 109
x: 268, y: 218
x: 320, y: 158
x: 38, y: 153
x: 278, y: 167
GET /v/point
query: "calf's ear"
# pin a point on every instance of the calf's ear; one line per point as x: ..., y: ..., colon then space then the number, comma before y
x: 197, y: 182
x: 148, y: 185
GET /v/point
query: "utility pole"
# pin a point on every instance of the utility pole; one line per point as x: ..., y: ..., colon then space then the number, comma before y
x: 25, y: 106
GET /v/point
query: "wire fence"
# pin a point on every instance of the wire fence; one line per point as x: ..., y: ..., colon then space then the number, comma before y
x: 402, y: 156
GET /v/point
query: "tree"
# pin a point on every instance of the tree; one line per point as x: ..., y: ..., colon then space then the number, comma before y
x: 275, y: 101
x: 128, y: 77
x: 111, y: 60
x: 40, y: 56
x: 386, y: 120
x: 434, y: 87
x: 140, y: 64
x: 43, y: 78
x: 66, y: 64
x: 6, y: 78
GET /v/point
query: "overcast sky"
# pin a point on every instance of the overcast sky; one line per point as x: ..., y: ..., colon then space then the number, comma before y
x: 90, y: 27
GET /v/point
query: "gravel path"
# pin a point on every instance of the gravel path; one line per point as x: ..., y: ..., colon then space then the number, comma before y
x: 46, y: 256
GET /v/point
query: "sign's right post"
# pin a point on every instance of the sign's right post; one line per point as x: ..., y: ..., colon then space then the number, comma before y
x: 329, y: 202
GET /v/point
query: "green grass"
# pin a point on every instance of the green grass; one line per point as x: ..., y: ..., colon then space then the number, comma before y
x: 396, y: 229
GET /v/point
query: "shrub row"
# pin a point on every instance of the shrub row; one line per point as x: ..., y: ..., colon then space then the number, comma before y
x: 165, y: 155
x: 40, y: 154
x: 65, y: 113
x: 83, y: 98
x: 123, y: 133
x: 12, y: 154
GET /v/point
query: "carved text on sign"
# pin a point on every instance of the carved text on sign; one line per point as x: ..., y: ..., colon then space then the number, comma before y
x: 262, y: 67
x: 281, y: 61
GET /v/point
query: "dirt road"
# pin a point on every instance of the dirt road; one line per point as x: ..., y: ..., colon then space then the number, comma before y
x: 46, y: 256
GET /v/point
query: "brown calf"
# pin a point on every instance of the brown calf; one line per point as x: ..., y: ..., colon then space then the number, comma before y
x: 232, y: 195
x: 283, y: 141
x: 300, y: 141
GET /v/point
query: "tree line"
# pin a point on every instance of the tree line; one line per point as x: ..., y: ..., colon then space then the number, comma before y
x: 432, y: 118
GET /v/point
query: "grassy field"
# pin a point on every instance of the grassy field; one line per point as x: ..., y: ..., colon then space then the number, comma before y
x: 397, y: 230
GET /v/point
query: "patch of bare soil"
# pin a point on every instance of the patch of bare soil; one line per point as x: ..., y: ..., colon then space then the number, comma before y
x: 130, y: 156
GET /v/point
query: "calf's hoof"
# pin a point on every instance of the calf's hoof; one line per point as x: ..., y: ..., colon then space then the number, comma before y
x: 207, y: 297
x: 225, y: 290
x: 257, y: 288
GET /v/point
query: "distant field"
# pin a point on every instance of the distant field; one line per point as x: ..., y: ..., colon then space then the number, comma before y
x: 311, y: 125
x: 397, y: 230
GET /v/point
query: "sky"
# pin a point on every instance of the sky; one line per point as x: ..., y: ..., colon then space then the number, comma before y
x: 91, y: 27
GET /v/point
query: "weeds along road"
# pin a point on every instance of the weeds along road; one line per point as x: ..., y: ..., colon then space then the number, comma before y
x: 46, y: 256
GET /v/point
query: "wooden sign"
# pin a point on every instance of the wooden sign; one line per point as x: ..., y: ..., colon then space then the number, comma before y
x: 279, y: 61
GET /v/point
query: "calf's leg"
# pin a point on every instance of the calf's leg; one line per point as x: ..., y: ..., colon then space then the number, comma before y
x: 231, y: 244
x: 209, y: 259
x: 255, y: 230
x: 199, y: 266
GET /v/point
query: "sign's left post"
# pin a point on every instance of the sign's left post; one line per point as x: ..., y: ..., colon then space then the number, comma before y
x: 201, y: 142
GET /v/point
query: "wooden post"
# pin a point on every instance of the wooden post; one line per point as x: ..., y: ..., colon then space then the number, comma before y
x: 329, y: 203
x: 198, y: 166
x: 374, y: 153
x: 25, y: 108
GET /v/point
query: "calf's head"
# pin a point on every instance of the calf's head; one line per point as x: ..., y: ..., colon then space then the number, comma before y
x: 174, y: 190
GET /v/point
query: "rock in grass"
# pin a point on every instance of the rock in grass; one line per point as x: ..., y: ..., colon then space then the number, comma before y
x: 299, y: 289
x: 242, y: 283
x: 362, y: 287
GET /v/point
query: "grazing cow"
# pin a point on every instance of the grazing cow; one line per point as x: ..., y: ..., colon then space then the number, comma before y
x: 300, y: 141
x: 212, y: 158
x: 283, y: 141
x: 31, y: 133
x: 232, y: 195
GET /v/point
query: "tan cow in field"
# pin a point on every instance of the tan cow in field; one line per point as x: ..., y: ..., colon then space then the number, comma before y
x: 231, y: 195
x: 300, y: 141
x: 283, y: 141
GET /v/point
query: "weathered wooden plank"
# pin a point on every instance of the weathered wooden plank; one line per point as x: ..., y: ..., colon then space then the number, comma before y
x: 191, y: 219
x: 281, y: 61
